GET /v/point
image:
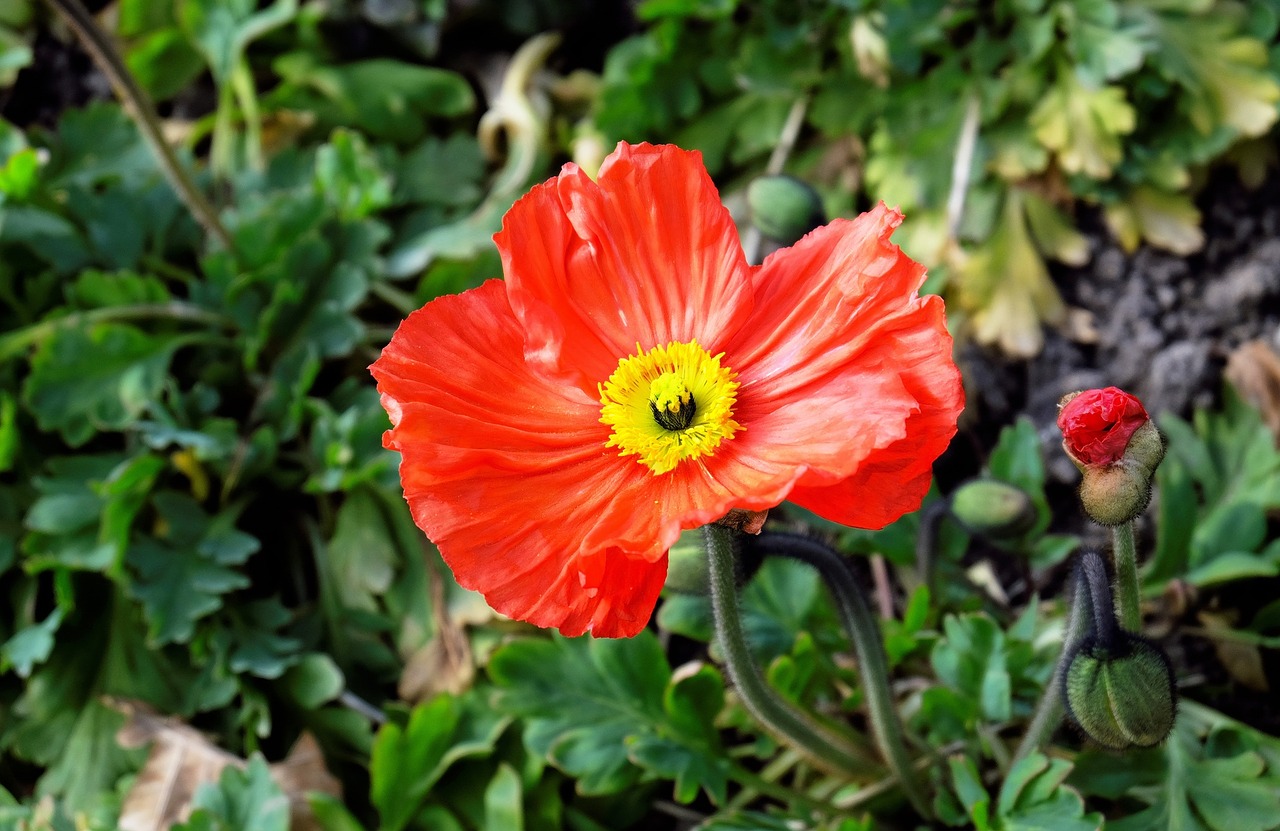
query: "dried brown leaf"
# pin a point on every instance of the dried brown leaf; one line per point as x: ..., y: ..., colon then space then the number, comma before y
x: 1243, y: 661
x: 1254, y: 370
x: 302, y: 772
x: 444, y: 663
x: 182, y: 759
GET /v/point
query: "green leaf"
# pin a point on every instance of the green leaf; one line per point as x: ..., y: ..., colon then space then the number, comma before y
x: 601, y: 710
x: 441, y: 172
x: 407, y: 761
x: 19, y: 175
x: 687, y: 750
x: 183, y: 576
x: 103, y: 377
x: 314, y: 681
x: 242, y: 800
x: 385, y: 99
x: 30, y: 645
x: 582, y: 700
x: 503, y: 803
x: 1018, y: 460
x: 350, y: 176
x: 222, y: 29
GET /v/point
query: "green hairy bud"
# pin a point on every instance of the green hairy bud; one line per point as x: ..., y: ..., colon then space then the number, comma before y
x: 1117, y: 686
x: 1121, y: 696
x: 993, y: 509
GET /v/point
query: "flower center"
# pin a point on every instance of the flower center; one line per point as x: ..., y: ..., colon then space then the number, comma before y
x: 672, y: 403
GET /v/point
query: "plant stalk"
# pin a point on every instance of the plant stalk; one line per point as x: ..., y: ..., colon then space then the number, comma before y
x: 826, y: 748
x: 139, y: 106
x: 863, y: 630
x: 1127, y: 588
x: 1048, y: 713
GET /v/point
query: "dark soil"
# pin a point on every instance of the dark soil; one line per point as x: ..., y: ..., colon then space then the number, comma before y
x: 1165, y: 324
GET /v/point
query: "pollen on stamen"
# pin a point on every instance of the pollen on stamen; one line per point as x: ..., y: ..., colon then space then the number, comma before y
x: 669, y: 404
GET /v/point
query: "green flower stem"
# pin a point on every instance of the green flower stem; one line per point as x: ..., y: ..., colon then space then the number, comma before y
x: 139, y: 106
x: 863, y: 630
x: 931, y: 518
x: 1048, y: 713
x: 1127, y: 588
x: 753, y: 782
x: 826, y: 748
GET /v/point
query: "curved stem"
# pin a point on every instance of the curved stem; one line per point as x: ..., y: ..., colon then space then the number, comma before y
x: 144, y: 115
x: 931, y: 518
x: 833, y: 752
x: 1048, y: 713
x: 1127, y: 589
x: 1093, y: 581
x: 864, y: 632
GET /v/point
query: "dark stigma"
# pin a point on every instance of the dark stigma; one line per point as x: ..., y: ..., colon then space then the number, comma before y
x: 678, y: 420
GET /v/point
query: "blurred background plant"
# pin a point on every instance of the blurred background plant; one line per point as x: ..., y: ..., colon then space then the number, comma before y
x: 205, y: 555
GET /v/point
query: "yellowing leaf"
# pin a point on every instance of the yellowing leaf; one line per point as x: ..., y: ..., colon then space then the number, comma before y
x: 1083, y: 126
x: 1006, y: 286
x: 1226, y: 75
x: 870, y: 51
x: 1165, y: 220
x: 1054, y: 233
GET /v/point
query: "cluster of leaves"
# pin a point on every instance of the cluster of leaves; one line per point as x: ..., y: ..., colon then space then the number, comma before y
x: 1113, y: 103
x: 197, y: 516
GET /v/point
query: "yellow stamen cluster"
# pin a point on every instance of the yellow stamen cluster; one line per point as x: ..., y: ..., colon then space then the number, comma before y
x: 669, y: 404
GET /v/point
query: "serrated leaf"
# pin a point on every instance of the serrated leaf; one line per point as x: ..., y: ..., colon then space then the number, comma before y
x: 103, y: 377
x: 1166, y: 220
x: 182, y: 576
x: 1225, y: 74
x: 1083, y: 126
x: 1006, y: 286
x: 407, y: 761
x: 30, y: 645
x: 242, y: 800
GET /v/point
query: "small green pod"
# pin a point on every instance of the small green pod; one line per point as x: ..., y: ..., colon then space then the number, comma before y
x: 784, y: 208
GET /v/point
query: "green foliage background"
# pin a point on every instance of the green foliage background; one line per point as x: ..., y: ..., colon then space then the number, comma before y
x: 196, y: 511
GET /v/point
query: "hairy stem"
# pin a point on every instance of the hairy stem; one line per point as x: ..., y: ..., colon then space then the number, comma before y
x: 1127, y: 588
x: 1048, y: 713
x: 864, y: 632
x: 143, y: 112
x: 826, y: 748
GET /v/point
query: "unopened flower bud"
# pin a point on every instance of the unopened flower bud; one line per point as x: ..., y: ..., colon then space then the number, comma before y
x: 784, y: 208
x: 1117, y: 686
x: 1110, y: 438
x: 1122, y: 696
x: 994, y: 509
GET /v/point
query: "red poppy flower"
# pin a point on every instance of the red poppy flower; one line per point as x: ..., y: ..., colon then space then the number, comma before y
x: 634, y: 377
x: 1098, y: 424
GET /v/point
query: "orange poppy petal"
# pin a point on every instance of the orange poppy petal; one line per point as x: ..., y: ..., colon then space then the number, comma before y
x: 846, y: 372
x: 893, y: 479
x: 505, y: 470
x: 647, y: 255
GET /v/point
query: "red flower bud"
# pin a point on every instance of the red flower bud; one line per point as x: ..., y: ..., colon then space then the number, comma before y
x: 1098, y: 424
x: 1109, y: 436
